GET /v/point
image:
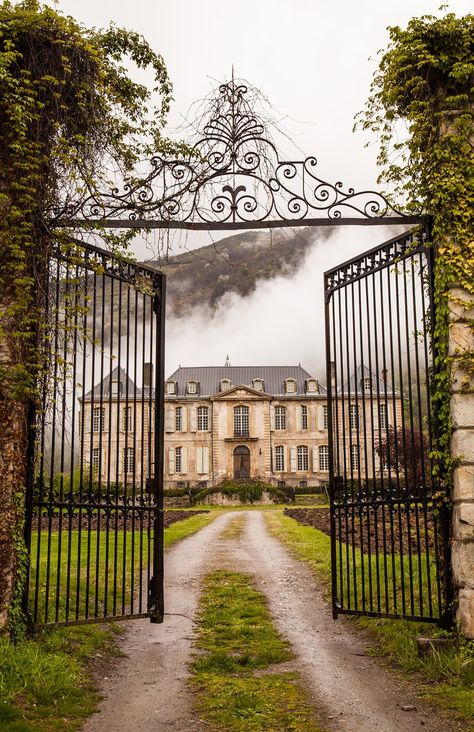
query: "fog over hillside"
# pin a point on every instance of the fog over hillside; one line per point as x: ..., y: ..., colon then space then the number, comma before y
x: 257, y: 297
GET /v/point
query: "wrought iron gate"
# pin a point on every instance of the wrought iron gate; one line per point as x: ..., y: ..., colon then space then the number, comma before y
x: 389, y: 543
x: 94, y: 505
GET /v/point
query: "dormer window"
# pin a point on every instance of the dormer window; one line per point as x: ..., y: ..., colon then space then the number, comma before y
x: 171, y: 387
x: 367, y: 383
x: 290, y: 386
x: 257, y: 384
x: 311, y: 386
x: 225, y: 384
x: 192, y: 387
x: 115, y: 388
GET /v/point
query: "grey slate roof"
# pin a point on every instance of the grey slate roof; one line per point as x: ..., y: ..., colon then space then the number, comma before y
x: 355, y: 383
x: 119, y: 375
x: 209, y: 378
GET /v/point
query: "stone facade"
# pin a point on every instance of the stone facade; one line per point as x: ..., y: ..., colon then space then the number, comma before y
x: 461, y: 341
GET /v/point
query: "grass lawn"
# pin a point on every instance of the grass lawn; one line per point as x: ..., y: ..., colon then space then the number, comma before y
x: 45, y: 682
x: 446, y: 678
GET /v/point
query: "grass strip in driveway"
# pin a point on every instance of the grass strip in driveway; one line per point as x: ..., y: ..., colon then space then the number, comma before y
x: 445, y: 679
x: 235, y: 674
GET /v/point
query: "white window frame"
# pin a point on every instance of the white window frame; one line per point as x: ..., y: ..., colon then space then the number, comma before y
x: 241, y: 421
x: 191, y: 387
x: 127, y: 419
x: 354, y: 416
x: 98, y: 419
x: 383, y: 421
x: 178, y: 419
x: 203, y: 419
x: 325, y: 416
x: 288, y: 383
x: 178, y: 460
x: 171, y: 387
x: 279, y: 459
x: 354, y: 457
x: 280, y: 417
x: 304, y: 417
x: 311, y: 386
x: 367, y: 384
x: 302, y: 456
x: 323, y: 457
x: 128, y: 460
x: 95, y: 458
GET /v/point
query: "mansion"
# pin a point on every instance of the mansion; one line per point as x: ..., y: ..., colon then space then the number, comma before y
x: 267, y: 423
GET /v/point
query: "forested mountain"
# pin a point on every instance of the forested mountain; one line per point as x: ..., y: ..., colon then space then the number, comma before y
x: 201, y: 277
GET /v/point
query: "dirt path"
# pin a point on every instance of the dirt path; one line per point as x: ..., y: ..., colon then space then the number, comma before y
x: 147, y: 690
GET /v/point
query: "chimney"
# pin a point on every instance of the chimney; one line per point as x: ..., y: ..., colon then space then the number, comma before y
x: 148, y: 374
x: 384, y: 373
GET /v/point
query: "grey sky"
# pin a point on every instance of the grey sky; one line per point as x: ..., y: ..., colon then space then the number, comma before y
x: 314, y: 60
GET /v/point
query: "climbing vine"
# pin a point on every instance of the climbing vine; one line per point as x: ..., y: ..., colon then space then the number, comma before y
x: 72, y: 119
x: 421, y: 106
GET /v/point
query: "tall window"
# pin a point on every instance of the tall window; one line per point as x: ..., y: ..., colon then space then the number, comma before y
x: 178, y: 460
x: 241, y: 421
x: 202, y: 418
x: 323, y: 457
x: 354, y: 457
x: 178, y: 419
x: 98, y: 419
x: 304, y: 417
x: 280, y: 418
x: 354, y: 416
x: 128, y: 460
x: 302, y: 457
x: 383, y: 416
x: 127, y: 419
x: 279, y: 459
x: 96, y: 458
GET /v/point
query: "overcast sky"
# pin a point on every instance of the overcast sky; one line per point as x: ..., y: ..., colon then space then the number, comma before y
x: 314, y: 60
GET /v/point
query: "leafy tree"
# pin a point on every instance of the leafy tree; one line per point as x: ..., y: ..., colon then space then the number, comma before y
x: 406, y: 451
x: 71, y: 118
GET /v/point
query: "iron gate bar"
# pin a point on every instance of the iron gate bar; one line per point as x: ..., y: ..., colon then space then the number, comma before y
x: 94, y: 452
x: 390, y: 553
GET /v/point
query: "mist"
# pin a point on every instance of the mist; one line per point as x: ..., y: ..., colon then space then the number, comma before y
x: 280, y: 323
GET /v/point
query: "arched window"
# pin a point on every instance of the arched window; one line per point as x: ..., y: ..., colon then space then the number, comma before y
x: 241, y: 421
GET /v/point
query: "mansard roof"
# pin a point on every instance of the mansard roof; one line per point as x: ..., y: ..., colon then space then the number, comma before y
x: 378, y: 385
x: 210, y: 377
x: 127, y: 386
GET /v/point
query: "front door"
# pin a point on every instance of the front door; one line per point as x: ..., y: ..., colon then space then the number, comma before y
x: 241, y: 462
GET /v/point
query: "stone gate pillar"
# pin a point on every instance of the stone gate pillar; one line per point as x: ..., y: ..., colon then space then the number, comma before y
x: 461, y: 342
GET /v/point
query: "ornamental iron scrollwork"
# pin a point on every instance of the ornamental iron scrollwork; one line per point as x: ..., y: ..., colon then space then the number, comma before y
x: 233, y: 176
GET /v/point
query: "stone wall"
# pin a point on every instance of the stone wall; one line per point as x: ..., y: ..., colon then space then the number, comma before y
x: 461, y: 341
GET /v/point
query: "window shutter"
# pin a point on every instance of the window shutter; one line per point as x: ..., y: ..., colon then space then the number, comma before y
x: 184, y: 459
x: 315, y: 460
x: 293, y: 460
x: 321, y: 418
x: 193, y: 426
x: 184, y: 419
x: 299, y: 418
x: 285, y: 459
x: 272, y: 417
x: 205, y: 459
x: 199, y: 460
x: 171, y: 460
x: 169, y: 420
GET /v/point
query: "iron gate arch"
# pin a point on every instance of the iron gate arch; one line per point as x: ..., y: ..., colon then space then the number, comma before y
x: 234, y: 179
x: 389, y: 541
